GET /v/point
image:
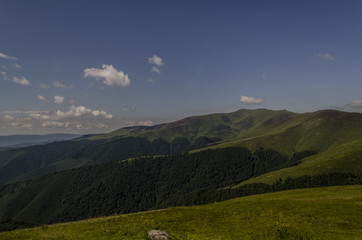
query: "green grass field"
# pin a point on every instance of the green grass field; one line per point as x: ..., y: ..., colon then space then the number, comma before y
x: 320, y: 213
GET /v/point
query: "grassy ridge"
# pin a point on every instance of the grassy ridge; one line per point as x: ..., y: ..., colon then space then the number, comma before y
x: 344, y: 158
x: 320, y: 213
x: 242, y: 123
x: 318, y: 131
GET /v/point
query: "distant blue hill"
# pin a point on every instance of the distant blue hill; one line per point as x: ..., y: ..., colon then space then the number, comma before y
x: 31, y: 140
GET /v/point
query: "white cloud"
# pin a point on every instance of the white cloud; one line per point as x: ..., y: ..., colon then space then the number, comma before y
x: 8, y: 118
x: 111, y: 76
x: 4, y: 75
x: 20, y: 125
x: 156, y: 60
x: 151, y: 80
x: 15, y: 65
x: 44, y: 86
x: 100, y: 125
x: 55, y: 124
x: 139, y: 123
x: 21, y: 81
x: 58, y: 84
x: 2, y: 55
x: 41, y: 98
x: 251, y: 100
x: 356, y: 104
x: 77, y: 111
x: 24, y: 112
x: 58, y: 99
x: 11, y: 65
x: 82, y: 127
x: 155, y: 69
x: 40, y: 116
x: 87, y: 126
x: 325, y: 56
x: 102, y: 113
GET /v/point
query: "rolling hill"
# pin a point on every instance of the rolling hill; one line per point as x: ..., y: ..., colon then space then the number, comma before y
x: 320, y: 213
x: 283, y: 131
x: 141, y: 168
x: 31, y: 140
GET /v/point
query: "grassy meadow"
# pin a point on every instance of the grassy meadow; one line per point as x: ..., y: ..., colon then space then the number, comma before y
x: 320, y: 213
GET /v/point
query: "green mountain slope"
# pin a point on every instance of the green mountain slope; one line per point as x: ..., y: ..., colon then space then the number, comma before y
x: 192, y: 132
x: 24, y: 163
x: 343, y: 158
x: 135, y: 185
x: 318, y: 131
x: 242, y: 123
x: 321, y: 213
x: 282, y: 131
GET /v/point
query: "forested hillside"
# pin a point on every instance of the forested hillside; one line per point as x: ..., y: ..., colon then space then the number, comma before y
x: 281, y: 131
x: 135, y: 185
x: 193, y: 161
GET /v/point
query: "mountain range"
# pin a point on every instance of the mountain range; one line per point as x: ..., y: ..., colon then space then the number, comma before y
x: 195, y: 160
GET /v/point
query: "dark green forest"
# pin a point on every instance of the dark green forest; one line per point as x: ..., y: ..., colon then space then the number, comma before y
x: 25, y: 163
x: 139, y: 184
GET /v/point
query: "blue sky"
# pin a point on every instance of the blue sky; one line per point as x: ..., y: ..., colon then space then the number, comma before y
x: 95, y: 66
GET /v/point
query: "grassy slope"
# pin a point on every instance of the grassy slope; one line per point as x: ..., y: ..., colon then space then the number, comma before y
x: 282, y: 131
x: 242, y: 123
x: 321, y: 213
x: 318, y: 131
x: 344, y: 158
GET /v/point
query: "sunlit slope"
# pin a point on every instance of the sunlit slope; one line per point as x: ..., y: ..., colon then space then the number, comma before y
x: 242, y: 123
x: 344, y: 158
x: 318, y: 131
x: 320, y: 213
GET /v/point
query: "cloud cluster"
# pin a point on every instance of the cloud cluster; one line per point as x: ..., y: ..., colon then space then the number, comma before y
x: 58, y: 99
x: 251, y: 100
x: 8, y: 118
x: 41, y: 98
x: 21, y: 125
x: 356, y: 104
x: 58, y: 84
x: 139, y: 123
x: 21, y: 81
x: 55, y: 124
x: 3, y: 75
x: 44, y: 86
x: 73, y: 112
x: 11, y: 65
x: 325, y: 56
x: 109, y: 74
x: 155, y: 69
x: 151, y: 80
x: 87, y: 126
x: 78, y: 111
x: 2, y: 55
x: 156, y: 60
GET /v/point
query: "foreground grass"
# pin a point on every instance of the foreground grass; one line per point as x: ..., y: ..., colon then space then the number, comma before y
x: 320, y: 213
